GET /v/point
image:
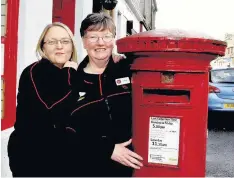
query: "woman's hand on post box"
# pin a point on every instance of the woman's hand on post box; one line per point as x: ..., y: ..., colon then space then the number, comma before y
x: 125, y: 156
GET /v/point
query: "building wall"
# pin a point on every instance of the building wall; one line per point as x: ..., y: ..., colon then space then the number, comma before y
x: 228, y: 59
x: 148, y: 8
x: 222, y: 62
x: 30, y: 27
x: 122, y: 14
x: 154, y: 9
x: 148, y: 12
x: 83, y: 8
x: 229, y: 38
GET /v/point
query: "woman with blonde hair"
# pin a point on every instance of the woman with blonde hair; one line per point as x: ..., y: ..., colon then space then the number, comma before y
x: 36, y: 146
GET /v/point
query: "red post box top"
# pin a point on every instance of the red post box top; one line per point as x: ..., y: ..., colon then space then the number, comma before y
x: 171, y: 40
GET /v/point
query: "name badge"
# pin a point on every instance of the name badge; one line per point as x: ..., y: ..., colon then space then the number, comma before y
x: 82, y: 96
x: 122, y: 81
x: 82, y: 93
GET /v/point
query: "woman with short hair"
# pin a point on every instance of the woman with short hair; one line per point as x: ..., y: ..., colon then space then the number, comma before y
x: 101, y: 119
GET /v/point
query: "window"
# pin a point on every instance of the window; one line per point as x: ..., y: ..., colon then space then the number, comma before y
x: 222, y: 76
x: 231, y: 50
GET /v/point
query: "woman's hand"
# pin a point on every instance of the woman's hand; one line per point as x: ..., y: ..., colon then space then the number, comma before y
x: 125, y: 156
x: 117, y: 57
x: 72, y: 64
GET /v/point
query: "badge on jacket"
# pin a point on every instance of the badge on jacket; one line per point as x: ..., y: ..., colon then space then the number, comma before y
x: 122, y: 81
x: 82, y: 96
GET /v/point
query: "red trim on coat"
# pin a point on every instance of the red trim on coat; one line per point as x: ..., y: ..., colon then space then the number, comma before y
x: 38, y: 95
x: 70, y: 128
x: 86, y: 105
x: 85, y: 81
x: 69, y: 76
x: 100, y: 85
x: 99, y: 101
x: 118, y: 94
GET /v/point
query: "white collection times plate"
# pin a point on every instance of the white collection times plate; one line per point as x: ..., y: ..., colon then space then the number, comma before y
x: 164, y: 140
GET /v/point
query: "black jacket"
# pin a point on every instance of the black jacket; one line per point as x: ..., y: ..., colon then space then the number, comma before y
x: 101, y: 118
x: 35, y: 147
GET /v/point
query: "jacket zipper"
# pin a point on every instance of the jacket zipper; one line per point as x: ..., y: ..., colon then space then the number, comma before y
x: 108, y: 107
x: 105, y: 98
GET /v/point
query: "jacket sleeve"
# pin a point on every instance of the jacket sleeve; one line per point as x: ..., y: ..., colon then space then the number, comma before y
x: 124, y: 66
x: 68, y: 75
x: 106, y: 148
x: 23, y: 111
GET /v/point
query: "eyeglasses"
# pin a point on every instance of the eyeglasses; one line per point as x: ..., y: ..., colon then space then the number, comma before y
x: 55, y: 42
x: 94, y: 39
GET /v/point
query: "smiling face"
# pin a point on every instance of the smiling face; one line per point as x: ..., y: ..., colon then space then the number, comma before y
x: 57, y: 46
x: 97, y: 48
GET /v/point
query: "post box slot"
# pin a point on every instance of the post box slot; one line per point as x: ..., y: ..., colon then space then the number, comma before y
x: 166, y: 96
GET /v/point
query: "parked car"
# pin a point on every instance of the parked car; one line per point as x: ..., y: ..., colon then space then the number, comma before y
x: 221, y: 90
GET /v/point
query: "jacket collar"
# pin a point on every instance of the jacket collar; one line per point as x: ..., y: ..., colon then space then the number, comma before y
x: 50, y: 65
x: 84, y: 63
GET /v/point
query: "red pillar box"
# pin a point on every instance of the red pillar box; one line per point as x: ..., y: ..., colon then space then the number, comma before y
x: 170, y: 98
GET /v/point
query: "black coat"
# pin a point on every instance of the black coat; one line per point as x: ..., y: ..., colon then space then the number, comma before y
x: 36, y: 146
x: 101, y: 118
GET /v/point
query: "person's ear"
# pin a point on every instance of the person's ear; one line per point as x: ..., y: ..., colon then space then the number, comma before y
x: 43, y: 50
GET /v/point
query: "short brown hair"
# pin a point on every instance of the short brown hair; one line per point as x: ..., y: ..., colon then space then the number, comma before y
x: 39, y: 51
x: 99, y: 22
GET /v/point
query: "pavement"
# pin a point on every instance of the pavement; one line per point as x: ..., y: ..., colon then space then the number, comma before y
x: 219, y: 158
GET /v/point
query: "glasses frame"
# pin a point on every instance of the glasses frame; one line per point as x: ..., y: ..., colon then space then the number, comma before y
x: 98, y: 37
x: 58, y: 41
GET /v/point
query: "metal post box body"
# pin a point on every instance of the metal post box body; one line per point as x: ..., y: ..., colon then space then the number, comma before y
x: 170, y: 98
x: 183, y: 100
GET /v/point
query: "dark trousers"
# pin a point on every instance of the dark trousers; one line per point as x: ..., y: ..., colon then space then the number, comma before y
x: 35, y: 159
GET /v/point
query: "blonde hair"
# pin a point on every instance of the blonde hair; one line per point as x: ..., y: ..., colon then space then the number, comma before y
x: 39, y: 49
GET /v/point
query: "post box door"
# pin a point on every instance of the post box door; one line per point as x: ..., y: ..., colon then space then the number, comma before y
x: 166, y: 120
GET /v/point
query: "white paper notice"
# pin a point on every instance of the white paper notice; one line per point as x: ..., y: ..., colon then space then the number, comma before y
x: 164, y: 140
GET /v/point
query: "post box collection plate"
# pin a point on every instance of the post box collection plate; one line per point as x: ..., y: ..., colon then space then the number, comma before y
x: 164, y: 140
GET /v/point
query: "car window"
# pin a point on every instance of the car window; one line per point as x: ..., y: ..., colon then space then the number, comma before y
x: 222, y: 76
